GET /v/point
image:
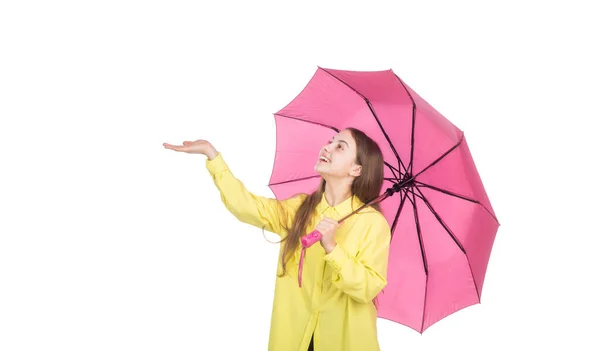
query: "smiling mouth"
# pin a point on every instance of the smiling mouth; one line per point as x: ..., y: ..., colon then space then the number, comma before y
x: 322, y: 159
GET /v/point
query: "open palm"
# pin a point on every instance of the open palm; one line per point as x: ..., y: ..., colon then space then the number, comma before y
x: 192, y: 147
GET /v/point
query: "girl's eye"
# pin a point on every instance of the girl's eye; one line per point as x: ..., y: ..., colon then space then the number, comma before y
x: 331, y: 141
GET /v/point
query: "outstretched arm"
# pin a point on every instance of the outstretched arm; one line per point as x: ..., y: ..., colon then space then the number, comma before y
x: 259, y: 211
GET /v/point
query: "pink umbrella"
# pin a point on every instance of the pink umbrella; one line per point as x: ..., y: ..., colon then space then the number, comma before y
x: 443, y: 225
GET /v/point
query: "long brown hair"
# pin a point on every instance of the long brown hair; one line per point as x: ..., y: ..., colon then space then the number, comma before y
x: 366, y: 187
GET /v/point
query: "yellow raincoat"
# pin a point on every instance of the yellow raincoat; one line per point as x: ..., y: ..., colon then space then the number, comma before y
x: 335, y: 301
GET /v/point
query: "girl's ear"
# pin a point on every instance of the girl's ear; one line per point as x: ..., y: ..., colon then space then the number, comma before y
x: 356, y: 170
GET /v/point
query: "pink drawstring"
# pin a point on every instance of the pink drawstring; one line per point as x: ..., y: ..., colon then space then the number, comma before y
x: 300, y: 267
x: 307, y: 241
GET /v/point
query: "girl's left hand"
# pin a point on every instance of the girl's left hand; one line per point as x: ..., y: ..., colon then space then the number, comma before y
x: 328, y: 227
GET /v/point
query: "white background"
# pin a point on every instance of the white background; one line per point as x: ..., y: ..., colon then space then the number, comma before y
x: 108, y: 241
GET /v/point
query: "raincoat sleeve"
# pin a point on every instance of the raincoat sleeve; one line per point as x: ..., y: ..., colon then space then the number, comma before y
x: 364, y: 275
x: 249, y: 208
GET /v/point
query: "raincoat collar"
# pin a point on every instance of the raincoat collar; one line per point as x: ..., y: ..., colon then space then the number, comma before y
x: 341, y: 209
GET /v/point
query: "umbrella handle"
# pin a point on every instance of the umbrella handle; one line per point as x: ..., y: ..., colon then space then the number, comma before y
x: 310, y: 239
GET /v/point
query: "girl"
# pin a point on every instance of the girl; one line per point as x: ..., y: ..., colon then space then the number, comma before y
x: 334, y: 309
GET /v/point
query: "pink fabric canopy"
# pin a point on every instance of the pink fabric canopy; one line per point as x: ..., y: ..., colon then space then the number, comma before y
x: 443, y: 225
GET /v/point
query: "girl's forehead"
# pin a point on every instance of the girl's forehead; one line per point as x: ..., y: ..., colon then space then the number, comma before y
x: 342, y: 134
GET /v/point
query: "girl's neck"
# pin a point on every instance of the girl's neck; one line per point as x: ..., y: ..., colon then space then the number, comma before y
x: 335, y: 194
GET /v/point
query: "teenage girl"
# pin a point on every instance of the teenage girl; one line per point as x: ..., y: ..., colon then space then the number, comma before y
x: 334, y: 307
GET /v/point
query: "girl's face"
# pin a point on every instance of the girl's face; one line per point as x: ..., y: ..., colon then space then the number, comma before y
x: 340, y: 153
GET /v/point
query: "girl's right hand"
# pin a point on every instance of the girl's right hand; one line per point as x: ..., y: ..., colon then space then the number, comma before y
x: 195, y: 147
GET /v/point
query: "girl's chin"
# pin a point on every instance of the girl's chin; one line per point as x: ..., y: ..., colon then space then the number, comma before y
x: 322, y: 169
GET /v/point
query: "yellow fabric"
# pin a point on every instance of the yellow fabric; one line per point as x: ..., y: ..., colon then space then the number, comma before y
x: 336, y: 298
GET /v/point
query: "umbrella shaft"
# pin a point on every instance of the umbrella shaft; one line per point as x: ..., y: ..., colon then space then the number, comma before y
x: 376, y: 200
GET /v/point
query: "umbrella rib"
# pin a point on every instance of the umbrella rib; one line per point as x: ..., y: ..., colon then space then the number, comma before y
x: 303, y: 120
x: 458, y: 196
x: 418, y: 226
x: 346, y: 84
x: 294, y: 180
x: 392, y: 169
x: 376, y: 119
x: 400, y: 163
x: 446, y: 192
x: 412, y: 136
x: 441, y: 157
x: 402, y: 200
x: 437, y: 216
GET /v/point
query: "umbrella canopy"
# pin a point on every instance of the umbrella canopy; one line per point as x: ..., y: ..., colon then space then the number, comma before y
x: 443, y: 225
